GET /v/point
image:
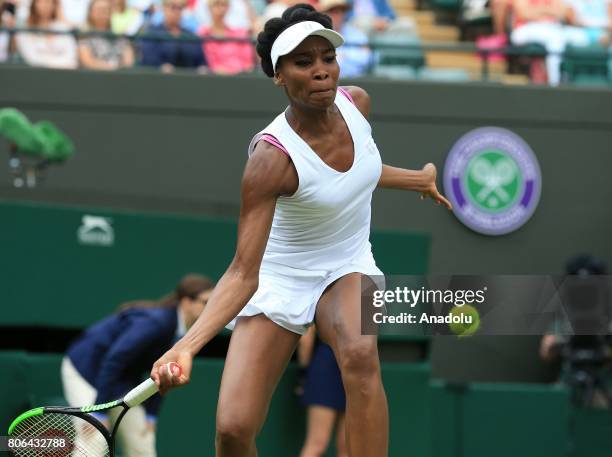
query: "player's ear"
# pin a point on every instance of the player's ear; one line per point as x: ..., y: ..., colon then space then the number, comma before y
x: 278, y: 79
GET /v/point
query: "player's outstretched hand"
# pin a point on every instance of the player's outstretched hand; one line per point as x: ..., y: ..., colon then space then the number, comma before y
x: 166, y: 378
x: 432, y: 190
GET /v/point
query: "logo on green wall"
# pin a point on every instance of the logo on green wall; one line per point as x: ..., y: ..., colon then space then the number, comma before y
x: 493, y: 180
x: 96, y: 231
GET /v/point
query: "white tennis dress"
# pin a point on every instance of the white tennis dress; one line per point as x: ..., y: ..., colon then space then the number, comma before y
x: 321, y: 232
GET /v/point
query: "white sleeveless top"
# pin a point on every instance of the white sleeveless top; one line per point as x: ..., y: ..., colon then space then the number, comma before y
x: 321, y: 232
x: 326, y: 222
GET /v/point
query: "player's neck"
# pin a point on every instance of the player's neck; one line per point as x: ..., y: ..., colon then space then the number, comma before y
x: 310, y: 120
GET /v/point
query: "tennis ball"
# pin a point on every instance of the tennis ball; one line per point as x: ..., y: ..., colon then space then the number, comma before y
x: 465, y: 320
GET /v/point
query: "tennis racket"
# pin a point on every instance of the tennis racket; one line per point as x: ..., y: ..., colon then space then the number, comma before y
x: 75, y: 432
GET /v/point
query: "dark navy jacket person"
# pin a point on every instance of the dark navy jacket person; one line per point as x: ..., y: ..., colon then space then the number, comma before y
x: 113, y: 355
x: 170, y: 53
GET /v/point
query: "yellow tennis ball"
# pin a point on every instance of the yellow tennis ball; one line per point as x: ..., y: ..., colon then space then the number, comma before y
x: 465, y: 320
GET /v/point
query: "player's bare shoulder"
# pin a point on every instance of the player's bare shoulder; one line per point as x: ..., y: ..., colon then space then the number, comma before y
x: 361, y: 99
x: 269, y: 171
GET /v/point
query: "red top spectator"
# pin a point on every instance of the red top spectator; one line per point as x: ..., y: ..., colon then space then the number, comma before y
x: 226, y: 57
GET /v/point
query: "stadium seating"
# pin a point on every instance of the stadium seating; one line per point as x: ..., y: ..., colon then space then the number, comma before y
x: 397, y: 55
x: 586, y: 66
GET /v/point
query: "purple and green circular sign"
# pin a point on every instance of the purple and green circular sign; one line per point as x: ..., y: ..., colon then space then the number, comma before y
x: 493, y: 179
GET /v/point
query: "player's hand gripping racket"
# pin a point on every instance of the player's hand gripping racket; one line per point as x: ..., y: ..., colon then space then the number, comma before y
x: 62, y: 432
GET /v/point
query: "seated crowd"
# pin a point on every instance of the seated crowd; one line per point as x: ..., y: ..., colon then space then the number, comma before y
x: 211, y: 36
x: 552, y: 24
x: 216, y: 36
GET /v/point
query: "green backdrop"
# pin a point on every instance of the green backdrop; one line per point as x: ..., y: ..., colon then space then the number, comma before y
x: 428, y: 419
x: 50, y: 278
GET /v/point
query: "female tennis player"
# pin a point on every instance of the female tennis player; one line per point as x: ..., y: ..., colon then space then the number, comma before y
x: 303, y: 243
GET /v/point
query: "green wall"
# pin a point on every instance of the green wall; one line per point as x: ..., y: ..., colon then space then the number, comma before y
x: 186, y: 426
x: 178, y: 144
x: 50, y: 278
x: 434, y: 419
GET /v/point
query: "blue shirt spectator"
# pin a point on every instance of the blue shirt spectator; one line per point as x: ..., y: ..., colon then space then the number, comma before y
x: 167, y: 53
x: 354, y: 60
x: 177, y: 53
x: 355, y: 56
x: 376, y: 15
x: 113, y: 354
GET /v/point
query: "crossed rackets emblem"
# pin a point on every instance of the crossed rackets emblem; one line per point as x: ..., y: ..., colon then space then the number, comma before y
x: 493, y: 178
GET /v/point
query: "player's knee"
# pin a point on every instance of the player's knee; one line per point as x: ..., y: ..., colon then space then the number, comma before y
x: 232, y: 431
x: 359, y: 359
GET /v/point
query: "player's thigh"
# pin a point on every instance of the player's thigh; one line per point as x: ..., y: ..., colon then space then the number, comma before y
x: 338, y: 315
x: 258, y: 354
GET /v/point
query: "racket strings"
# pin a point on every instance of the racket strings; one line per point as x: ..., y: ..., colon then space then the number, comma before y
x: 81, y: 439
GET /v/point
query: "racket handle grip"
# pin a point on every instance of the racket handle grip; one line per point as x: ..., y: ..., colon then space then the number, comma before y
x: 140, y: 393
x: 148, y: 387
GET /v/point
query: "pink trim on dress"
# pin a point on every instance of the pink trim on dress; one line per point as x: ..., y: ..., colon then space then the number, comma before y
x: 274, y: 142
x: 345, y: 92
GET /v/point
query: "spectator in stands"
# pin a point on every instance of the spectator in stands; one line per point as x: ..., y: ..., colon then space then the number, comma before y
x: 500, y: 13
x: 7, y: 19
x: 189, y: 20
x: 167, y: 53
x: 374, y: 15
x: 74, y: 12
x: 354, y: 57
x: 125, y: 20
x: 47, y: 49
x: 594, y: 17
x: 111, y: 357
x: 276, y: 8
x: 226, y: 57
x: 240, y: 15
x: 100, y: 52
x: 540, y: 22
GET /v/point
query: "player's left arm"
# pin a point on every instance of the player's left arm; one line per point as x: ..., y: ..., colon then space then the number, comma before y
x: 423, y: 181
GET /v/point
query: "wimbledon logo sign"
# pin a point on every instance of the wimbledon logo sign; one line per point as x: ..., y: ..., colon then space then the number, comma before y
x: 493, y: 179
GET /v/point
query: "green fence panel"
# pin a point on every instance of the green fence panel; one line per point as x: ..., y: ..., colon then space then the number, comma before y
x: 434, y: 419
x: 14, y: 391
x: 186, y: 424
x: 44, y: 380
x: 505, y: 420
x: 407, y: 388
x: 68, y: 267
x: 591, y: 430
x: 399, y: 252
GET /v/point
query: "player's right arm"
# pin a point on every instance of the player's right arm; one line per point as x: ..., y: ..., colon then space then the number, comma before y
x: 268, y: 174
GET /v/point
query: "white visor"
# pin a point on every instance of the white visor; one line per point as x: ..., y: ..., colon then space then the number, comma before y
x: 291, y: 37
